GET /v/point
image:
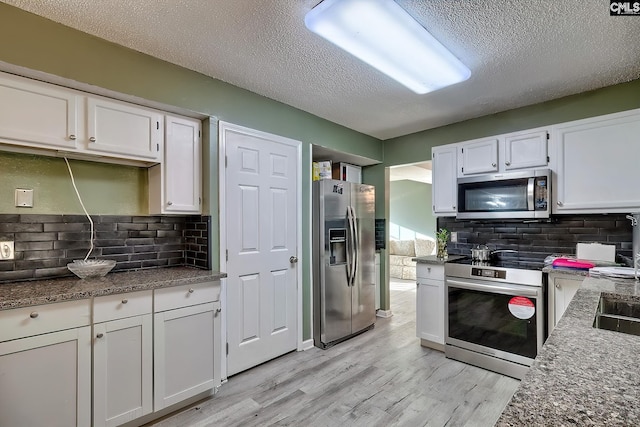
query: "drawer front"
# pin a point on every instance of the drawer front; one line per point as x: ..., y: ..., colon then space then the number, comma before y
x: 430, y: 271
x: 184, y: 296
x: 120, y: 306
x: 40, y: 319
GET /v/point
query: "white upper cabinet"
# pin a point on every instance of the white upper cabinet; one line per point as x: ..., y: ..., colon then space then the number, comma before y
x: 175, y: 186
x: 525, y: 150
x: 444, y: 187
x: 478, y: 156
x: 120, y: 128
x: 43, y: 118
x: 36, y: 114
x: 597, y: 164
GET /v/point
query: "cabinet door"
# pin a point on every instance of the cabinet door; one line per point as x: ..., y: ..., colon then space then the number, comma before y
x: 444, y: 187
x: 37, y: 114
x: 479, y: 156
x: 124, y: 129
x: 563, y: 291
x: 182, y: 160
x: 122, y: 370
x: 525, y: 150
x: 430, y: 310
x: 45, y: 380
x: 597, y: 164
x: 184, y: 353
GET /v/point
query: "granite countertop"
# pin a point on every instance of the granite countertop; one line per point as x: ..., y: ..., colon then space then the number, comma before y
x: 432, y: 259
x: 582, y: 375
x: 23, y: 294
x: 566, y: 271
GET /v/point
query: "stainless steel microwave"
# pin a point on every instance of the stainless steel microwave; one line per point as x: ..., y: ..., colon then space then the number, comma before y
x: 525, y: 194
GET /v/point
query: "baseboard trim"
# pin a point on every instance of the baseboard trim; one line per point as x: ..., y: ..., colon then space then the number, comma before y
x: 306, y: 345
x: 384, y: 313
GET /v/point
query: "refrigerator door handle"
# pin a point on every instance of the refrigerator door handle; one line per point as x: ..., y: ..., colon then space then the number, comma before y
x: 356, y: 247
x: 352, y: 249
x: 349, y: 246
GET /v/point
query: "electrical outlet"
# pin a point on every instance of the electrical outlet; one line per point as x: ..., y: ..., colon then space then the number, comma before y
x: 454, y: 236
x: 6, y: 250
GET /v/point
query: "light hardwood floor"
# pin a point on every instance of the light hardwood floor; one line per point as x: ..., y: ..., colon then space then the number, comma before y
x: 380, y: 378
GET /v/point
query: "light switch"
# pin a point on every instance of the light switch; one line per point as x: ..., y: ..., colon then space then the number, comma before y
x: 24, y: 198
x: 454, y: 236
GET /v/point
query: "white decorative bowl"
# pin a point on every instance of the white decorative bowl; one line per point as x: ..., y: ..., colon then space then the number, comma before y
x: 91, y: 268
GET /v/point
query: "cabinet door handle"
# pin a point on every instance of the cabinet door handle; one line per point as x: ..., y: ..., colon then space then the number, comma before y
x: 493, y: 165
x: 124, y: 301
x: 72, y: 137
x: 92, y: 139
x: 559, y: 203
x: 169, y: 203
x: 557, y: 286
x: 507, y: 163
x: 100, y: 335
x: 190, y: 290
x: 34, y: 315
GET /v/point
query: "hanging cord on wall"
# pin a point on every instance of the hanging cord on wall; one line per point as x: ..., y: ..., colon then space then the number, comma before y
x: 73, y: 181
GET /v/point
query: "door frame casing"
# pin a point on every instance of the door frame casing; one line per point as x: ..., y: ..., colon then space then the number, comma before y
x: 223, y: 127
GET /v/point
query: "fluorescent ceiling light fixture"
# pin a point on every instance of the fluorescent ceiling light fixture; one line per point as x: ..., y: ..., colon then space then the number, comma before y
x: 385, y: 36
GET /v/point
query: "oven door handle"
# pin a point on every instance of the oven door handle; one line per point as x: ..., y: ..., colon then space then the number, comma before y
x: 508, y: 290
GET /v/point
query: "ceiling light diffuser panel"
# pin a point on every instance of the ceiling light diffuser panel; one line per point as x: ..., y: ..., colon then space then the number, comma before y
x: 385, y: 36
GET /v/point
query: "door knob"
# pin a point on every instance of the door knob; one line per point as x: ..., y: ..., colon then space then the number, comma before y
x: 293, y: 259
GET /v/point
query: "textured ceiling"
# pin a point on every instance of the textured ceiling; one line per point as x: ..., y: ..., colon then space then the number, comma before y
x: 519, y: 53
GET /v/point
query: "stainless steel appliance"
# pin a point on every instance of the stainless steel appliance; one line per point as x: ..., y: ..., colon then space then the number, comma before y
x: 495, y: 314
x: 343, y: 260
x: 525, y: 194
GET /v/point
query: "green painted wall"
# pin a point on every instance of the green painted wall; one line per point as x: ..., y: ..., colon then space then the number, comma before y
x: 410, y: 206
x: 39, y: 44
x: 417, y: 147
x: 104, y: 188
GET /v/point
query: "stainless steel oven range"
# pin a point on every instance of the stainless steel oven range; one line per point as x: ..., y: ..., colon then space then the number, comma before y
x: 495, y: 315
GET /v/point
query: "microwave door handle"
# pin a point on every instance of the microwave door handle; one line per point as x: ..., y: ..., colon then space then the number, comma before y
x: 530, y: 193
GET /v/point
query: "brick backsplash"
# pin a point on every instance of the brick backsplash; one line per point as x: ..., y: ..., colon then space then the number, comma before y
x: 535, y: 240
x: 44, y: 244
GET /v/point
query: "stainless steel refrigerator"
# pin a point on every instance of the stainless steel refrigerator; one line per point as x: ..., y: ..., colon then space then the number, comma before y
x: 343, y: 260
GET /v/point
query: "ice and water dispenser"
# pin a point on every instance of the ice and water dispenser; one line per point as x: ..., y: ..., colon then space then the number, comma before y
x: 337, y: 246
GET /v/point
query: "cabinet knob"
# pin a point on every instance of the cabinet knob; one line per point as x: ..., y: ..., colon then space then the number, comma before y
x: 559, y: 203
x: 493, y: 165
x: 218, y: 310
x: 429, y: 269
x: 557, y: 286
x: 34, y: 315
x: 453, y: 207
x: 124, y: 301
x: 507, y: 163
x: 92, y: 139
x: 100, y: 335
x: 190, y: 290
x: 169, y: 203
x: 72, y: 137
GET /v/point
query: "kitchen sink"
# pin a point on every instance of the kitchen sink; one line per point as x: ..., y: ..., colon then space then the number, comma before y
x: 618, y: 314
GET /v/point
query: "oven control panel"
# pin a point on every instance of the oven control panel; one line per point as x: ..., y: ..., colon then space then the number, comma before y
x: 488, y: 272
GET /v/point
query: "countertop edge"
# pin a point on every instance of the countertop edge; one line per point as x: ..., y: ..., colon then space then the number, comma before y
x: 38, y: 292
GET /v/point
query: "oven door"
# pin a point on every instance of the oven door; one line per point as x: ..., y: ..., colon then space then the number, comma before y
x: 497, y: 319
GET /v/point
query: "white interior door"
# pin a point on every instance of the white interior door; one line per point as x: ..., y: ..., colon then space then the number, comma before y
x: 261, y: 209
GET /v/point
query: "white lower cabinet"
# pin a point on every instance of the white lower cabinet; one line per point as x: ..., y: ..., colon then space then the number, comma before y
x: 184, y: 353
x: 561, y: 290
x: 45, y: 379
x: 122, y: 358
x: 430, y: 310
